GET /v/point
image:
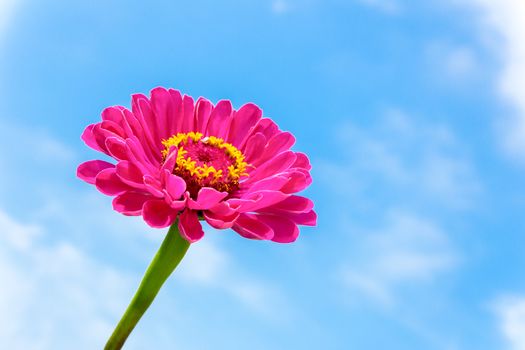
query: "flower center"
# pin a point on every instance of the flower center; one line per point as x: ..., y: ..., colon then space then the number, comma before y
x: 206, y: 162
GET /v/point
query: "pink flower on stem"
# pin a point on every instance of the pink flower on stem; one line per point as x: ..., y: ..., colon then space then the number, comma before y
x: 179, y: 162
x: 193, y: 160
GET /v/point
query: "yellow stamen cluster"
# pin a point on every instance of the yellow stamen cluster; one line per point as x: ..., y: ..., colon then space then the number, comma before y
x: 179, y: 138
x: 236, y: 169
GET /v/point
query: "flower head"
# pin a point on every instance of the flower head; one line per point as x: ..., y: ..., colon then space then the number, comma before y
x: 193, y: 160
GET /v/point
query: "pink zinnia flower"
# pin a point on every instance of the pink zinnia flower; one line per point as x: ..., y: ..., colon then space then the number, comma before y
x: 177, y: 158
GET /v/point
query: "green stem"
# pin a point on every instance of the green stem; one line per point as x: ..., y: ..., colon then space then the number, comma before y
x: 165, y: 261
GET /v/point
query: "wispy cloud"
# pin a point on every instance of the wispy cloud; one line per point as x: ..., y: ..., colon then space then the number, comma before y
x: 503, y: 22
x: 406, y: 251
x: 403, y: 173
x: 207, y: 264
x: 280, y: 7
x: 452, y: 64
x: 400, y: 180
x: 416, y: 161
x: 510, y: 313
x: 7, y: 8
x: 28, y: 158
x: 53, y: 289
x: 386, y: 6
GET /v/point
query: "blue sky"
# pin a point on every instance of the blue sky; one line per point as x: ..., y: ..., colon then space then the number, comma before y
x: 413, y: 115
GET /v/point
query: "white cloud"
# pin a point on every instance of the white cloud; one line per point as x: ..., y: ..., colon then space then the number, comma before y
x: 505, y: 19
x: 6, y: 11
x: 17, y: 235
x: 510, y: 312
x: 52, y: 289
x: 280, y: 7
x: 28, y: 158
x: 398, y: 177
x: 406, y: 251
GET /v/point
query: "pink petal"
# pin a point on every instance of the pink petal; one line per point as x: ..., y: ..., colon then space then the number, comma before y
x: 130, y: 203
x: 138, y: 135
x: 219, y: 221
x: 142, y: 112
x: 178, y: 116
x: 89, y: 138
x: 178, y: 205
x: 113, y: 127
x: 141, y: 157
x: 188, y: 118
x: 100, y: 134
x: 274, y: 166
x: 109, y: 183
x: 257, y: 200
x: 161, y: 104
x: 308, y: 218
x: 153, y: 186
x: 297, y: 181
x: 171, y: 159
x: 295, y: 204
x: 130, y: 174
x: 206, y: 198
x: 124, y: 121
x: 253, y: 147
x: 189, y: 226
x: 222, y: 209
x: 302, y: 161
x: 114, y: 114
x: 157, y: 213
x: 149, y: 118
x: 285, y: 231
x: 267, y: 127
x: 89, y: 170
x: 249, y: 226
x: 130, y: 122
x: 243, y: 120
x: 273, y: 183
x: 203, y: 110
x: 281, y: 142
x: 174, y: 185
x: 220, y: 119
x: 117, y: 148
x: 278, y: 143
